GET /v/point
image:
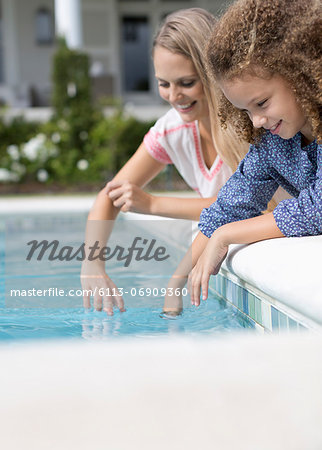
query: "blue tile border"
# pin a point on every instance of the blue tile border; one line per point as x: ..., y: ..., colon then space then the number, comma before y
x: 261, y: 310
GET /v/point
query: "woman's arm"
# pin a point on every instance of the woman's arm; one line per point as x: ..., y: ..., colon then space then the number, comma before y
x: 95, y: 282
x: 129, y: 197
x: 124, y: 193
x: 180, y: 208
x: 243, y: 232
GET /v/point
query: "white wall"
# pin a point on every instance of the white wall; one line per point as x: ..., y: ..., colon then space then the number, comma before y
x: 26, y: 63
x: 35, y: 58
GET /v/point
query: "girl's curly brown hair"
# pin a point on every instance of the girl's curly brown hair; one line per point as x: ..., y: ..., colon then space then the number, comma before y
x: 280, y: 36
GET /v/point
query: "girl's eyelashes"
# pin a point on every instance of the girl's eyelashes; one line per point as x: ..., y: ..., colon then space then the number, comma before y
x: 259, y: 104
x: 262, y: 103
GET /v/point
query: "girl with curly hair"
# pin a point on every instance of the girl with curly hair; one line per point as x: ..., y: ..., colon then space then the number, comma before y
x: 265, y: 55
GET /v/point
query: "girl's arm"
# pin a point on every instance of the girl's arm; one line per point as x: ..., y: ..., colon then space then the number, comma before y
x: 243, y: 232
x: 173, y: 303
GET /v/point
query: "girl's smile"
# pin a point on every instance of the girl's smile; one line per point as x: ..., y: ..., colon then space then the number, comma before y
x: 276, y: 128
x: 180, y: 85
x: 269, y: 102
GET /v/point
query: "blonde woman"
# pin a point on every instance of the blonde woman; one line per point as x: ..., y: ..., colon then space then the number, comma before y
x: 188, y: 136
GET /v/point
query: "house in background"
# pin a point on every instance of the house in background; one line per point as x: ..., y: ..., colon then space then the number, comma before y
x: 117, y: 34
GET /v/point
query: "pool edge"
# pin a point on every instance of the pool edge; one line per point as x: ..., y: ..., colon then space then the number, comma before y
x: 264, y: 310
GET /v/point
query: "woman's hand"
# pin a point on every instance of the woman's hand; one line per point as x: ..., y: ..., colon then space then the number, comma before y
x: 97, y: 284
x: 208, y: 264
x: 173, y: 304
x: 128, y: 197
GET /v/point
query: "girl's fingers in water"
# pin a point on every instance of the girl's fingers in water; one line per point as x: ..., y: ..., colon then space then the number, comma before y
x: 189, y: 286
x: 197, y: 294
x: 204, y: 286
x: 196, y: 289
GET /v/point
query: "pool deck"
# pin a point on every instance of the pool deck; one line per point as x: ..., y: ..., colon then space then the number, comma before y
x: 241, y: 391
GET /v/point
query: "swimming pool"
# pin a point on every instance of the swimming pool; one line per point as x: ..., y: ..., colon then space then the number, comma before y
x: 40, y: 291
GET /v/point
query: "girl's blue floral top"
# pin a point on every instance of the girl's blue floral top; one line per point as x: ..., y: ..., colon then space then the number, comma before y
x: 273, y: 162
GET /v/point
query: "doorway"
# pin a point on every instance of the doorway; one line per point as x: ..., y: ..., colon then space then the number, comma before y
x: 135, y: 54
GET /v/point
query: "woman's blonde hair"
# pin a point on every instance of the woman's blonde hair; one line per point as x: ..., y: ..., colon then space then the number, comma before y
x: 186, y: 32
x: 267, y: 37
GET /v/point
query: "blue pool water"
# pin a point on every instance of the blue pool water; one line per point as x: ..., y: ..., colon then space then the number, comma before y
x: 46, y: 317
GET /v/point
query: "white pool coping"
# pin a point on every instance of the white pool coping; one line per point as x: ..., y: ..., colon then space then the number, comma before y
x: 46, y: 204
x: 60, y: 203
x: 287, y: 270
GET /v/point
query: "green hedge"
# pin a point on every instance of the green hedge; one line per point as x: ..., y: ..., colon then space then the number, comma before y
x: 45, y: 152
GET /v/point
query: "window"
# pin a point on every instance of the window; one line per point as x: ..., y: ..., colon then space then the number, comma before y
x: 135, y: 53
x: 44, y: 26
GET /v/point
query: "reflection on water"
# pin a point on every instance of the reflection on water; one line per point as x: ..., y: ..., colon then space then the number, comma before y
x: 213, y: 316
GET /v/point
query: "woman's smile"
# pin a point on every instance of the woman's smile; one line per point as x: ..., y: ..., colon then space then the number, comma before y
x: 180, y: 85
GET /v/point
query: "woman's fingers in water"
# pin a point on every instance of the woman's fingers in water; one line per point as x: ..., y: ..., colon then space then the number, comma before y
x: 111, y: 301
x: 104, y: 293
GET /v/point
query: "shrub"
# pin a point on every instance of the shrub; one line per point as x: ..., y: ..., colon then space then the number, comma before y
x: 71, y: 83
x: 113, y: 141
x: 47, y: 154
x: 16, y: 131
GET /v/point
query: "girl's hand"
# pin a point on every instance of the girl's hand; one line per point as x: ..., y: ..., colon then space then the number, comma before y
x: 208, y: 264
x: 129, y: 197
x: 97, y: 284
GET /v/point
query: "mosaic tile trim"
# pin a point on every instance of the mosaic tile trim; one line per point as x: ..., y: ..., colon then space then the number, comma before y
x: 264, y: 313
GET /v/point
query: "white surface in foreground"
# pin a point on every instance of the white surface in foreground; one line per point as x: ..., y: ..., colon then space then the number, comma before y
x: 244, y: 392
